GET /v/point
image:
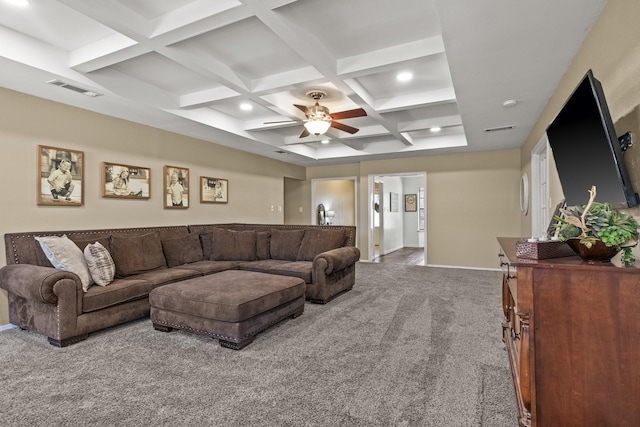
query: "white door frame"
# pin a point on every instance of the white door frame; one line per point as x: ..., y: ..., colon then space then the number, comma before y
x: 540, y: 187
x: 370, y: 228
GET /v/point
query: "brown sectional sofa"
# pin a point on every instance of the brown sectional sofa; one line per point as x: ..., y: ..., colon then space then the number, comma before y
x: 52, y: 302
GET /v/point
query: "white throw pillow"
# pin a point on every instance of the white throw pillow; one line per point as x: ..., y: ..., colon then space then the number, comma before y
x: 100, y: 263
x: 67, y: 256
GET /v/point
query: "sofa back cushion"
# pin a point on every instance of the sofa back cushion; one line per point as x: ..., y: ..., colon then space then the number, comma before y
x: 137, y: 254
x: 229, y: 245
x: 285, y: 244
x: 263, y: 243
x: 182, y: 250
x: 319, y: 240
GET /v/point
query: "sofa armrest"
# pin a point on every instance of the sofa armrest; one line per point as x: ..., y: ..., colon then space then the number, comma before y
x: 36, y: 283
x: 337, y: 259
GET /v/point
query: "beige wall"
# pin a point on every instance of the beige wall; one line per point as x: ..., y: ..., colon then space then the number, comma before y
x: 611, y: 50
x: 255, y: 182
x: 471, y: 199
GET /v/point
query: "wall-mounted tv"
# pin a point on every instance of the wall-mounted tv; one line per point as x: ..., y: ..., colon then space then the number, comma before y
x: 586, y: 149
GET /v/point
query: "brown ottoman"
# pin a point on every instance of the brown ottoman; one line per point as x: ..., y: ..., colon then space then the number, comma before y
x: 232, y: 306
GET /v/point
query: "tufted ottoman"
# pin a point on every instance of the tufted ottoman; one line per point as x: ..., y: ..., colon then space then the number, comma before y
x: 232, y: 306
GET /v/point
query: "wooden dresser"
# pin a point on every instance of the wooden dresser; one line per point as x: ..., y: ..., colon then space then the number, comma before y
x: 572, y: 331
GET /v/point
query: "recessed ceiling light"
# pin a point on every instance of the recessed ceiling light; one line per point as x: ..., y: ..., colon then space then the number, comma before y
x: 325, y: 141
x: 245, y: 106
x: 509, y: 103
x: 435, y: 129
x: 21, y: 3
x: 404, y: 76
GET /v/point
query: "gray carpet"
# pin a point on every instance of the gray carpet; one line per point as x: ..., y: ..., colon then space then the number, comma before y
x: 408, y: 346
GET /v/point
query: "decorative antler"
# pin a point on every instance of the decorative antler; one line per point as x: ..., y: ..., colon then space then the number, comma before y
x: 581, y: 222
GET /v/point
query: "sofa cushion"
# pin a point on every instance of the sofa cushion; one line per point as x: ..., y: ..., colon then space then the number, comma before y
x: 104, y: 241
x: 65, y: 255
x: 100, y: 263
x: 229, y: 245
x: 162, y: 276
x: 301, y: 269
x: 209, y: 267
x: 318, y: 240
x: 137, y: 254
x: 182, y: 250
x: 119, y: 291
x: 206, y: 240
x: 263, y: 241
x: 285, y: 244
x: 261, y: 266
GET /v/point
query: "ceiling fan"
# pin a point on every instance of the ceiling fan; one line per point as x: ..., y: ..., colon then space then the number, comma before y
x: 319, y: 119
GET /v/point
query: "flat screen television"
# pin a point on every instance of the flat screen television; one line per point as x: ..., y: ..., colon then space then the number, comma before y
x: 586, y: 149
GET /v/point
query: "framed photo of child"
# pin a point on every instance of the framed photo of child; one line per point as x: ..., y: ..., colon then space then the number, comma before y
x: 214, y: 190
x: 60, y: 176
x: 176, y: 187
x: 125, y: 181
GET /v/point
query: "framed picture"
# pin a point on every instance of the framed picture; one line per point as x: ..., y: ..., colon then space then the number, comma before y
x: 60, y: 176
x: 125, y: 181
x: 214, y: 190
x: 176, y: 184
x: 410, y: 203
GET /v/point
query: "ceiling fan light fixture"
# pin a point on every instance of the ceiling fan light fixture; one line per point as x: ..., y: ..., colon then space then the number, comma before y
x: 317, y: 127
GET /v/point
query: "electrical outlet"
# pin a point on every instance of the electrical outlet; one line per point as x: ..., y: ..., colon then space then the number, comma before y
x: 300, y: 209
x: 271, y: 208
x: 279, y: 208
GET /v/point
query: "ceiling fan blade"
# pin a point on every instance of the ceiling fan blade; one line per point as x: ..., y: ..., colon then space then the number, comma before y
x: 304, y: 133
x: 344, y: 127
x: 302, y: 108
x: 348, y: 114
x: 282, y: 121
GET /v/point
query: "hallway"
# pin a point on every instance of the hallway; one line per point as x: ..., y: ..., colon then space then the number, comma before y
x: 406, y: 256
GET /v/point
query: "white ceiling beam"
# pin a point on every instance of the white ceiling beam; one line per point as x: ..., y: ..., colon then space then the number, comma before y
x: 415, y: 100
x: 382, y: 59
x: 203, y: 97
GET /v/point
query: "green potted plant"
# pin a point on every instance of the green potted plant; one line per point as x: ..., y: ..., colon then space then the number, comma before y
x: 597, y: 232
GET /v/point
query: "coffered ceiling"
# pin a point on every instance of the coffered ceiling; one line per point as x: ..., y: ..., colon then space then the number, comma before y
x: 218, y: 70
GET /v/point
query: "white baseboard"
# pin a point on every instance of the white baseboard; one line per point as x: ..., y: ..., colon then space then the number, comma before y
x: 463, y: 267
x: 7, y: 327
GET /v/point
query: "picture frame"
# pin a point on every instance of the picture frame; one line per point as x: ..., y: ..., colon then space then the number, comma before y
x: 214, y: 190
x: 176, y: 187
x: 60, y: 176
x: 411, y: 203
x: 125, y: 181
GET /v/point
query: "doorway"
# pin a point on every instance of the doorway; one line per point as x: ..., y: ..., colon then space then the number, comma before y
x: 397, y: 213
x: 338, y: 197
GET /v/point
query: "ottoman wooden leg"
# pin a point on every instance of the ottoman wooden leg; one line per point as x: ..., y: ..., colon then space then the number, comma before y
x: 236, y: 345
x: 162, y: 328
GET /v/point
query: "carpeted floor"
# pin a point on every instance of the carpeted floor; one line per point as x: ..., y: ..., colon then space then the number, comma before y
x: 408, y: 346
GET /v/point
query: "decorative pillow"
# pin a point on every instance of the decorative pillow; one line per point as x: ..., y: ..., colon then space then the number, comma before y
x: 316, y: 241
x: 263, y: 241
x: 100, y: 263
x: 137, y: 254
x: 285, y: 244
x: 64, y: 255
x: 230, y: 245
x: 182, y: 250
